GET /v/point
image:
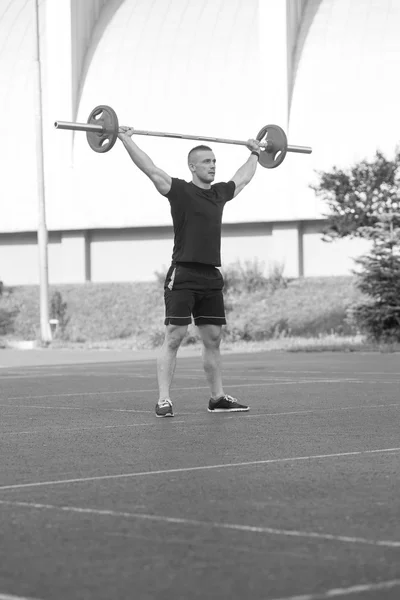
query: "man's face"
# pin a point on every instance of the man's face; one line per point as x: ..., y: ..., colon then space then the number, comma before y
x: 203, y: 164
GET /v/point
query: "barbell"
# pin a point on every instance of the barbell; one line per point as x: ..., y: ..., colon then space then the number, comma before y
x: 102, y: 132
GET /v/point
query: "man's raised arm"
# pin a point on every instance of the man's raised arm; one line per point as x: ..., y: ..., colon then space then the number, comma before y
x: 161, y: 180
x: 246, y: 172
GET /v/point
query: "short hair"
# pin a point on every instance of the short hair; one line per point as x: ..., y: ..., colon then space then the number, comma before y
x: 193, y: 150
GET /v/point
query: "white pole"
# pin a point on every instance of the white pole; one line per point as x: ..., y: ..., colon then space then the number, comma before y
x: 45, y: 330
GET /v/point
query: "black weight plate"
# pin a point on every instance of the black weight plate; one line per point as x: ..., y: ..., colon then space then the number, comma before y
x: 106, y: 117
x: 275, y: 154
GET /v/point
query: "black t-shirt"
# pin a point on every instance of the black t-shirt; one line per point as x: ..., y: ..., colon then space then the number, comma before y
x: 197, y: 218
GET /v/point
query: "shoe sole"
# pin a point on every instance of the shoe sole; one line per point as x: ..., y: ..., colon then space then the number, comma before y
x: 166, y: 415
x: 222, y: 410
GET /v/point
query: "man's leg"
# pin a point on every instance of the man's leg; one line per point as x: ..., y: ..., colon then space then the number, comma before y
x: 219, y: 402
x: 166, y: 361
x: 211, y: 337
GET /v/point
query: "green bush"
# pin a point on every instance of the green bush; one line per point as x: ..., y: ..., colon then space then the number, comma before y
x: 95, y: 311
x: 22, y: 306
x: 379, y: 321
x: 111, y: 311
x: 7, y: 321
x: 249, y: 277
x: 379, y: 280
x: 305, y: 307
x: 58, y: 311
x: 134, y: 312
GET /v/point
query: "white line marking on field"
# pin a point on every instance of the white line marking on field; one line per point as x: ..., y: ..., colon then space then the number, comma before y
x: 300, y: 371
x: 77, y: 374
x: 322, y: 410
x: 96, y: 408
x: 132, y: 410
x: 211, y: 524
x: 73, y: 370
x: 72, y: 394
x: 59, y: 429
x: 202, y: 468
x: 355, y: 589
x: 295, y: 382
x: 10, y: 597
x: 69, y: 374
x: 47, y: 430
x: 196, y: 387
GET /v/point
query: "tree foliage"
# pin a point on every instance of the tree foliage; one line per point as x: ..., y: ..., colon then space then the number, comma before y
x: 359, y: 196
x: 364, y: 202
x: 379, y: 279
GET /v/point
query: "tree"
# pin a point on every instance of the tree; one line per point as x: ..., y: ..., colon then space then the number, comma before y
x: 358, y: 196
x: 364, y: 202
x: 379, y: 279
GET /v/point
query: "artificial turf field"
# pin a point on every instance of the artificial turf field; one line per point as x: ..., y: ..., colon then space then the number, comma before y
x: 297, y: 499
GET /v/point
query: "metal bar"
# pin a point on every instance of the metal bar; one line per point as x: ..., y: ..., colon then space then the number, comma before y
x: 300, y: 149
x: 100, y: 129
x: 183, y: 136
x: 268, y: 145
x: 79, y: 126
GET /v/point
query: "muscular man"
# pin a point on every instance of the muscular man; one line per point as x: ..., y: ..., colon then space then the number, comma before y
x: 193, y: 285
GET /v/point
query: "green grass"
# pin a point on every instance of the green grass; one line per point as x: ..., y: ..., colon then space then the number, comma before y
x: 94, y: 312
x: 305, y: 308
x: 131, y: 314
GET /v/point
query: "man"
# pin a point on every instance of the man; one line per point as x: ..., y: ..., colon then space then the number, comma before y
x: 193, y: 285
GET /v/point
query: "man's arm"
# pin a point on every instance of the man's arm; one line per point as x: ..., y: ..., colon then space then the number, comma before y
x: 161, y: 180
x: 246, y: 172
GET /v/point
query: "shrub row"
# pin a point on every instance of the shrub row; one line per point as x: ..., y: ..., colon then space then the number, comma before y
x: 258, y: 308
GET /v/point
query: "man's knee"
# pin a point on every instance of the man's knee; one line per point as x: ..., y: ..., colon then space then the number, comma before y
x: 174, y: 335
x: 211, y: 335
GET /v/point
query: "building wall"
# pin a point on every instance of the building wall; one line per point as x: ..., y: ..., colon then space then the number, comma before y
x: 67, y: 258
x: 137, y: 254
x: 335, y: 257
x: 19, y: 258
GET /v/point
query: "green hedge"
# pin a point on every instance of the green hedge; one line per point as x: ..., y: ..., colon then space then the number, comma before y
x: 307, y: 307
x: 98, y: 312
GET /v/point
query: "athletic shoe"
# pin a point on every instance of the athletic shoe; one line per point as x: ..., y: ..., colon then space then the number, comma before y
x: 226, y: 404
x: 164, y: 409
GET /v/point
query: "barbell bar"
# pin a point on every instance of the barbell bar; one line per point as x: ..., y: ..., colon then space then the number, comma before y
x: 102, y: 132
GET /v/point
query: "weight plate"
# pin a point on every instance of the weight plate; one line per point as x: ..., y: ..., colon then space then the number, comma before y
x: 275, y: 153
x: 106, y: 117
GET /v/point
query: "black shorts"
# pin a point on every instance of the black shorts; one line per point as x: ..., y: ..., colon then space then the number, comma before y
x: 194, y: 289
